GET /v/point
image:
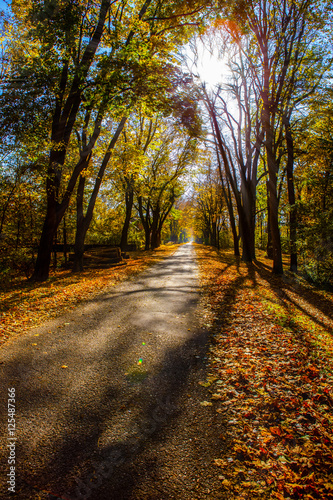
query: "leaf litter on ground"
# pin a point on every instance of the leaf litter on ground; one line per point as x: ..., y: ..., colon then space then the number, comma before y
x: 271, y: 366
x: 25, y: 305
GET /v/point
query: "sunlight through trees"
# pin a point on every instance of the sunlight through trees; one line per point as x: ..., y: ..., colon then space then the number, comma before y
x: 129, y: 124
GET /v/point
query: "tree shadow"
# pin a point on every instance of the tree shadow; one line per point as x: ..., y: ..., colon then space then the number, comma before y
x: 89, y: 438
x: 282, y: 284
x: 78, y: 465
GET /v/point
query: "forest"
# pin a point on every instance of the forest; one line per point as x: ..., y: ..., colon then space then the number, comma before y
x: 144, y: 367
x: 111, y: 134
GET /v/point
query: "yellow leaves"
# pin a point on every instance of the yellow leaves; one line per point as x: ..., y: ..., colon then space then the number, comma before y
x: 206, y: 403
x: 328, y: 486
x: 27, y: 305
x: 208, y: 383
x: 276, y: 494
x: 226, y: 483
x: 64, y: 366
x: 216, y: 396
x: 204, y: 384
x: 219, y: 462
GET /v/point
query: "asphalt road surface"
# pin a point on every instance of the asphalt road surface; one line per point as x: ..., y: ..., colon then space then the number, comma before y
x: 106, y: 400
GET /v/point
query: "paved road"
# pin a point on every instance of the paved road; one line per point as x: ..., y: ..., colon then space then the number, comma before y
x: 102, y: 409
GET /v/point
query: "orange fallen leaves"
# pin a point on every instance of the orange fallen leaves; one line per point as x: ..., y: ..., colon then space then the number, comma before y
x: 276, y: 372
x: 26, y: 305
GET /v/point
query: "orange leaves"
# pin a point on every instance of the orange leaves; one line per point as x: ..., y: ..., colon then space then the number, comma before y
x: 312, y: 372
x: 27, y: 305
x: 275, y: 394
x: 276, y: 431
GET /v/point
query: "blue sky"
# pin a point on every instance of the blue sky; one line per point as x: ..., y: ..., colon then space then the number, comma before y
x: 3, y: 5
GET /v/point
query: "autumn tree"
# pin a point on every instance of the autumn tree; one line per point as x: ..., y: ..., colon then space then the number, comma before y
x: 210, y: 208
x: 237, y: 131
x: 75, y: 54
x: 314, y: 189
x: 278, y: 32
x: 159, y: 186
x: 129, y: 161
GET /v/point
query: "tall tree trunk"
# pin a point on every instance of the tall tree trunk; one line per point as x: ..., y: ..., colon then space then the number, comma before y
x: 41, y: 272
x: 147, y: 238
x: 273, y: 195
x: 291, y: 197
x: 145, y: 220
x: 228, y: 199
x: 274, y: 227
x: 80, y: 228
x: 246, y: 235
x: 154, y: 229
x: 83, y: 221
x: 129, y: 196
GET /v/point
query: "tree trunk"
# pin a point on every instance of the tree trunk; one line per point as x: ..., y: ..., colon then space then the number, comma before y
x: 247, y: 236
x: 147, y: 239
x: 291, y: 197
x: 227, y: 195
x: 274, y: 228
x: 41, y: 272
x: 129, y: 196
x: 273, y: 197
x: 65, y: 242
x: 154, y: 236
x: 80, y: 228
x: 145, y: 220
x: 159, y: 238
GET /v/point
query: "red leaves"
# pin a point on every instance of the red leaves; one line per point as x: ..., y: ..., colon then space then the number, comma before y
x: 275, y: 392
x: 312, y: 372
x: 276, y: 431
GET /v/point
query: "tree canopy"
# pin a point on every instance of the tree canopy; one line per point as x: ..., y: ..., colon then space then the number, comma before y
x: 108, y: 137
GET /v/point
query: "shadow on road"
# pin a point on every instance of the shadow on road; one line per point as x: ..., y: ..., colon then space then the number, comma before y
x: 85, y: 421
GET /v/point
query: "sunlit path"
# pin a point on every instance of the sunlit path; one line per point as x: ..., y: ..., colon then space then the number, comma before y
x: 95, y: 387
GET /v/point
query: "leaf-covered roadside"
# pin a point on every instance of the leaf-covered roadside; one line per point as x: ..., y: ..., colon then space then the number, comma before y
x: 271, y: 377
x: 25, y: 305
